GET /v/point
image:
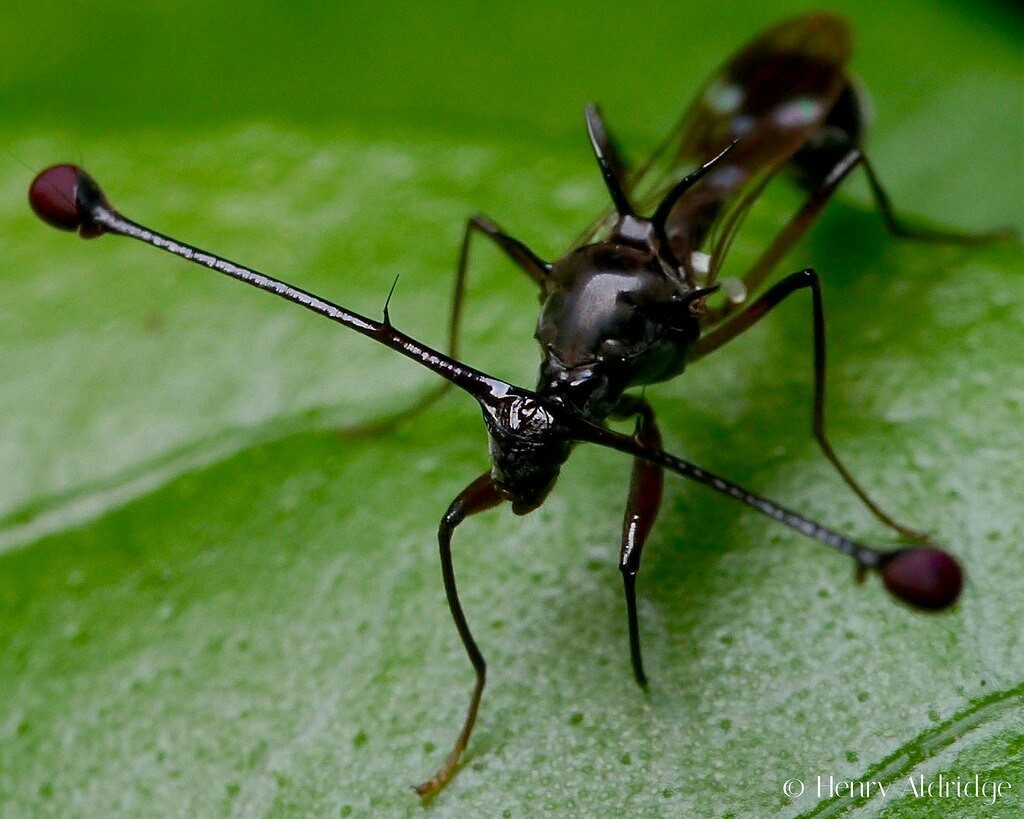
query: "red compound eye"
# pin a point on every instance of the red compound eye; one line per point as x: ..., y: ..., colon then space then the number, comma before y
x: 54, y: 197
x: 65, y: 196
x: 926, y: 578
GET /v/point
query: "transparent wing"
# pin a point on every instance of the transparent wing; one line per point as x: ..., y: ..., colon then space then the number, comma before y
x: 772, y: 96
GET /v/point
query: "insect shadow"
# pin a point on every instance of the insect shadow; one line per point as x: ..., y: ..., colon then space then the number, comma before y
x: 628, y: 305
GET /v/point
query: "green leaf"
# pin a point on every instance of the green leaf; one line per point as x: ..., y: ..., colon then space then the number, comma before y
x: 211, y: 604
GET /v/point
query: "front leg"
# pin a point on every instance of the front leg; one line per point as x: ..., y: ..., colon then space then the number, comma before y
x: 479, y: 496
x: 642, y: 505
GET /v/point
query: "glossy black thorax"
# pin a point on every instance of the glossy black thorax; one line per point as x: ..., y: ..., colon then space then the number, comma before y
x: 614, y: 315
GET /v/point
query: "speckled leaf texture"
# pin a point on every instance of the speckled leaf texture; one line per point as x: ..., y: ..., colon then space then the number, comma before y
x: 213, y: 605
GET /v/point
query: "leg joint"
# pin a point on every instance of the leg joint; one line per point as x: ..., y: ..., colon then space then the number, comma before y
x: 808, y: 277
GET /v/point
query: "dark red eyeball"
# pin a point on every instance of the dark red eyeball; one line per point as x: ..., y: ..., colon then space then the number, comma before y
x: 925, y: 577
x: 61, y: 196
x: 53, y: 195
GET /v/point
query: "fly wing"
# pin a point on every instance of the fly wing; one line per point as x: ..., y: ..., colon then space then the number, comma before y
x: 772, y: 97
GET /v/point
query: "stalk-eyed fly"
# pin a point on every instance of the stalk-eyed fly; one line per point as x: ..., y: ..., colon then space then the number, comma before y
x: 628, y: 305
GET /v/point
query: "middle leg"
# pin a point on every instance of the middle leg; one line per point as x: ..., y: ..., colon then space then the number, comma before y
x: 645, y: 488
x: 788, y: 236
x: 758, y: 309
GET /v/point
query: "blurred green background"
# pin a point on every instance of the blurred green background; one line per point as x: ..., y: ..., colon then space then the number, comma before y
x: 211, y: 605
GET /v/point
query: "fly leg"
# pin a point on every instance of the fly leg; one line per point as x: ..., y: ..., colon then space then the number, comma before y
x: 804, y: 218
x: 641, y: 511
x: 786, y: 238
x: 897, y: 228
x: 479, y: 496
x: 519, y: 253
x: 757, y: 310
